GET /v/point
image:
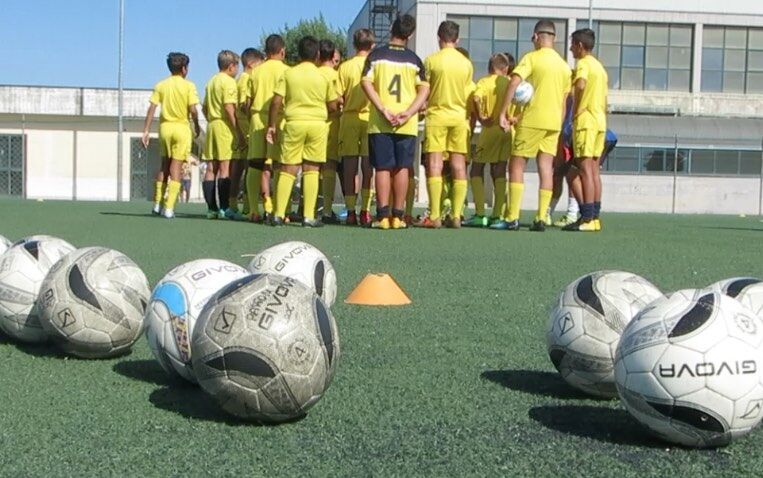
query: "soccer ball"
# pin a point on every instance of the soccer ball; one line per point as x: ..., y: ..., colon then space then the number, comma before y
x: 586, y: 324
x: 22, y: 269
x: 92, y: 302
x: 266, y: 348
x: 690, y: 368
x: 524, y: 93
x: 175, y: 304
x: 5, y: 244
x: 747, y: 290
x: 301, y: 261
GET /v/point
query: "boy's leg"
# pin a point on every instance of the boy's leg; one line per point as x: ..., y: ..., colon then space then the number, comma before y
x: 328, y: 187
x: 224, y: 187
x: 287, y: 175
x: 476, y: 177
x: 173, y: 187
x: 265, y: 187
x: 349, y: 175
x: 410, y: 195
x: 545, y: 189
x: 460, y: 187
x: 434, y: 185
x: 516, y: 186
x: 366, y: 189
x: 209, y: 188
x: 498, y: 173
x: 253, y: 187
x: 160, y: 184
x: 236, y: 171
x: 310, y: 186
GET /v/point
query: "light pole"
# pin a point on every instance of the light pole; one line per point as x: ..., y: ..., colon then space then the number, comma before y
x: 590, y: 14
x: 120, y: 99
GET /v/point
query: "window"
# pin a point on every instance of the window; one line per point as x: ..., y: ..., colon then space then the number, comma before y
x: 483, y: 36
x: 11, y: 165
x: 732, y: 59
x: 661, y: 160
x: 644, y: 56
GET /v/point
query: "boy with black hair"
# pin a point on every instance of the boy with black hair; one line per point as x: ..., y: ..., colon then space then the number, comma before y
x: 328, y: 59
x: 224, y: 135
x: 178, y: 99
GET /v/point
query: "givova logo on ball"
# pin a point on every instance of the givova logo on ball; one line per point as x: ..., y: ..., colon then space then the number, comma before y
x: 174, y: 299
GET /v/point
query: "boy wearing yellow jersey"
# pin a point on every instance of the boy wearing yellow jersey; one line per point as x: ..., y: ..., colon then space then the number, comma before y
x: 250, y: 58
x: 224, y: 135
x: 449, y: 74
x: 589, y: 126
x: 494, y: 144
x: 536, y: 133
x: 353, y: 127
x: 261, y: 155
x: 307, y: 98
x: 394, y: 82
x: 178, y: 99
x: 329, y: 58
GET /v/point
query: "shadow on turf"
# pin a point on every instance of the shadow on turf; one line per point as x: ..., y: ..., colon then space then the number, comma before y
x: 536, y: 382
x: 37, y: 350
x: 148, y: 371
x: 135, y: 214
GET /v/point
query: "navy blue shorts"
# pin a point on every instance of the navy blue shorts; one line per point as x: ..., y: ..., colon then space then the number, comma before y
x: 391, y: 150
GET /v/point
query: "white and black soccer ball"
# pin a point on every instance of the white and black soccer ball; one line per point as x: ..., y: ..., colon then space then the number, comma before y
x: 22, y: 270
x: 690, y: 368
x: 5, y: 244
x: 524, y: 93
x: 92, y: 303
x: 299, y: 260
x: 586, y: 323
x: 747, y: 290
x: 266, y: 348
x: 175, y: 305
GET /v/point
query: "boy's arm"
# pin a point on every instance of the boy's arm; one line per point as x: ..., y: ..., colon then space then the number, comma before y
x: 147, y: 124
x: 275, y: 107
x: 577, y: 93
x: 375, y: 99
x: 230, y: 112
x: 195, y: 118
x: 422, y: 92
x: 503, y: 117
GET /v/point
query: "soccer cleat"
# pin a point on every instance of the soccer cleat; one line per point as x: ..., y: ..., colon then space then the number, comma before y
x: 365, y: 219
x: 382, y: 223
x: 234, y: 215
x: 538, y: 226
x: 598, y: 224
x: 157, y: 209
x: 276, y: 221
x: 408, y: 220
x: 476, y: 221
x: 168, y: 213
x: 588, y: 226
x: 547, y: 221
x: 311, y: 223
x: 332, y: 219
x: 398, y: 223
x: 494, y: 220
x: 504, y: 225
x: 211, y: 214
x: 428, y: 223
x: 294, y: 217
x: 452, y: 223
x: 352, y: 219
x: 565, y: 220
x: 255, y: 218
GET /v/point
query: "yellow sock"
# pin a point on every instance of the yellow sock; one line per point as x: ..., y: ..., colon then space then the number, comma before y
x: 365, y: 197
x: 516, y: 190
x: 173, y: 191
x: 434, y: 188
x: 445, y: 194
x: 478, y: 191
x: 409, y: 195
x: 350, y: 202
x: 284, y: 185
x: 311, y: 183
x: 499, y: 194
x: 329, y: 185
x: 253, y: 181
x: 544, y: 199
x: 158, y: 192
x: 267, y: 204
x: 460, y: 187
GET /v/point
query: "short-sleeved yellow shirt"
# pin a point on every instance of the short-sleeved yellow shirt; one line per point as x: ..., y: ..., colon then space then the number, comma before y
x: 242, y: 84
x: 449, y: 74
x: 175, y: 95
x: 355, y: 99
x: 220, y: 90
x: 305, y: 91
x: 395, y: 73
x: 491, y: 90
x: 551, y: 77
x: 592, y: 105
x: 332, y: 77
x: 262, y: 82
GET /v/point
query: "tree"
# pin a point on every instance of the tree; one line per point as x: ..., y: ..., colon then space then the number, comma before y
x: 316, y: 27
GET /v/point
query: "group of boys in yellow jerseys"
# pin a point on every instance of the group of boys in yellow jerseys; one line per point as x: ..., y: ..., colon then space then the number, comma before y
x: 311, y: 118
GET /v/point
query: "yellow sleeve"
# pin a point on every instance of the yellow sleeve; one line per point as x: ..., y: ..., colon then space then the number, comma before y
x: 250, y: 87
x: 193, y: 95
x: 230, y: 93
x: 581, y: 71
x: 341, y: 82
x: 280, y: 88
x: 242, y: 87
x: 524, y: 69
x: 156, y: 96
x: 427, y: 70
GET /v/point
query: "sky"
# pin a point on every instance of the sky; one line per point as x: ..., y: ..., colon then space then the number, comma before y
x: 75, y: 42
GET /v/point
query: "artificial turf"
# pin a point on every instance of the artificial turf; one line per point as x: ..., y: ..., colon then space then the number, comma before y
x: 458, y: 383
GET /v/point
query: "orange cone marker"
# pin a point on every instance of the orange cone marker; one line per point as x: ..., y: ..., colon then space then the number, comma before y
x: 378, y: 289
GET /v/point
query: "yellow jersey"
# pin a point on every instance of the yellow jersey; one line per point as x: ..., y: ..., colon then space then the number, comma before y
x: 550, y: 77
x: 355, y: 99
x: 242, y: 85
x: 491, y: 90
x: 332, y: 77
x: 449, y: 74
x: 175, y: 95
x: 220, y: 91
x: 305, y: 91
x: 592, y: 104
x: 262, y: 82
x: 396, y: 73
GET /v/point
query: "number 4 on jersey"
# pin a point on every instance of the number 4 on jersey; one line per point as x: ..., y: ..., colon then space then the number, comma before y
x: 394, y: 87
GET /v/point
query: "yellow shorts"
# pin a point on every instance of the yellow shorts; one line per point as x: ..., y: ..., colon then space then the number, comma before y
x: 304, y: 140
x: 332, y: 144
x: 175, y: 140
x: 528, y: 142
x: 258, y: 145
x: 493, y: 146
x: 453, y: 139
x: 353, y: 136
x: 588, y: 143
x: 243, y: 153
x: 220, y: 141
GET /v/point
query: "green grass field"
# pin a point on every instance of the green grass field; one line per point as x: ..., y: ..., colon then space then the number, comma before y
x: 458, y: 383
